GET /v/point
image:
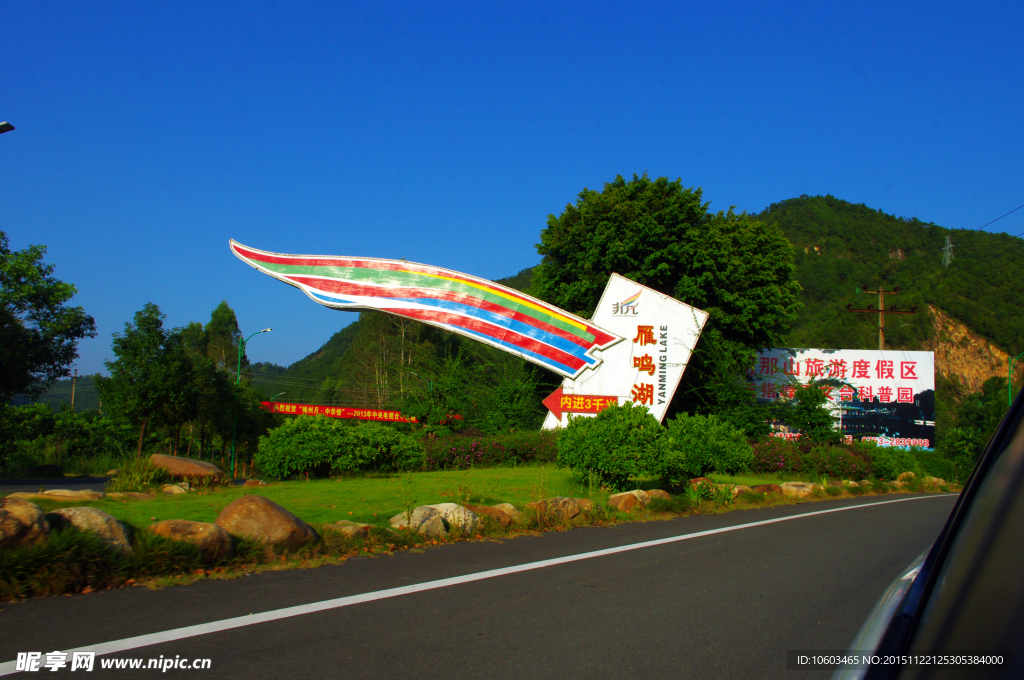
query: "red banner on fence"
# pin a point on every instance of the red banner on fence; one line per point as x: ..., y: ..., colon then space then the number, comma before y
x: 335, y: 412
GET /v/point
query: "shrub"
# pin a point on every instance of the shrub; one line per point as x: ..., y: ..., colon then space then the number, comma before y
x: 890, y: 461
x: 933, y: 463
x: 464, y: 451
x: 775, y: 454
x: 837, y: 461
x: 694, y: 446
x: 620, y: 444
x: 137, y: 474
x: 323, y: 445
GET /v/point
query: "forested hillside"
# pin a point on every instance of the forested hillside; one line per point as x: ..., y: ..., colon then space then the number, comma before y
x: 839, y: 247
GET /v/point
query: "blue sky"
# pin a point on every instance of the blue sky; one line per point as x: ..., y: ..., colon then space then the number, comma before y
x: 148, y: 134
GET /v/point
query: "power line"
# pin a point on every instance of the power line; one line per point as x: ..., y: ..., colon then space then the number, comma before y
x: 1001, y: 217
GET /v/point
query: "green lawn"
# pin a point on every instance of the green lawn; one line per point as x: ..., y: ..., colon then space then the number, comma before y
x: 371, y: 499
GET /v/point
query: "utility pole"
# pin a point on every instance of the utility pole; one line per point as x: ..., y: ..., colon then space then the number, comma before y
x: 947, y: 253
x: 882, y: 311
x: 75, y: 378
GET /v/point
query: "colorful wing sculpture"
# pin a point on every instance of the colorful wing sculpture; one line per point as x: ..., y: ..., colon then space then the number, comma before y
x: 474, y: 307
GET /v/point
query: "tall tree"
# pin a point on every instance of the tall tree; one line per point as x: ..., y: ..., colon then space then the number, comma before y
x: 39, y: 332
x: 222, y: 338
x: 151, y: 381
x: 662, y: 235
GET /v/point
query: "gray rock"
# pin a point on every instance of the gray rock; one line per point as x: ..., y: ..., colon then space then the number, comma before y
x: 211, y: 539
x: 114, y: 532
x: 456, y: 515
x: 423, y: 520
x: 21, y: 523
x: 798, y: 489
x: 349, y: 529
x: 61, y: 495
x: 509, y: 510
x: 173, y: 489
x: 558, y: 508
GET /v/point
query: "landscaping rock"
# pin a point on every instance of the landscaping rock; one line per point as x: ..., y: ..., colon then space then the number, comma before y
x: 254, y: 482
x: 115, y: 533
x: 21, y: 523
x: 896, y: 485
x: 628, y: 500
x: 349, y: 529
x: 61, y: 495
x: 740, y: 488
x: 767, y: 488
x: 559, y: 508
x: 456, y: 515
x: 212, y: 540
x: 798, y: 489
x: 659, y: 493
x: 423, y: 520
x: 905, y: 477
x: 113, y: 473
x: 851, y: 484
x: 866, y: 482
x: 701, y: 480
x: 177, y: 466
x: 586, y: 505
x: 499, y: 516
x: 264, y: 520
x: 172, y: 489
x: 131, y: 495
x: 933, y: 481
x: 510, y: 510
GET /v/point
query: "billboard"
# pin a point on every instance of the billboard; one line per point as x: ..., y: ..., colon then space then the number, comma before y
x: 882, y: 396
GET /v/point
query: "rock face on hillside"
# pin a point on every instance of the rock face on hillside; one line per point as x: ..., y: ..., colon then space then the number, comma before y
x: 961, y: 352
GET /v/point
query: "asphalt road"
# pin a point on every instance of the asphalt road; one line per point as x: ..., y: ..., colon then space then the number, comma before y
x: 73, y: 483
x: 724, y: 605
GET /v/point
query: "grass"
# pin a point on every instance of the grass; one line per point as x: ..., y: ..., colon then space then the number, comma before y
x: 71, y: 561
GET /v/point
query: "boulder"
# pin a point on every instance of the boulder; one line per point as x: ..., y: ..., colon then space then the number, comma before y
x: 740, y: 488
x: 851, y: 484
x: 628, y: 500
x: 586, y: 505
x: 499, y: 516
x: 457, y: 516
x: 115, y: 533
x: 866, y: 482
x: 113, y: 473
x: 131, y: 495
x: 264, y: 520
x: 897, y: 484
x: 21, y: 523
x: 349, y: 529
x: 177, y: 466
x: 61, y: 495
x: 905, y: 477
x: 172, y: 489
x: 701, y: 480
x: 510, y: 510
x: 212, y: 540
x: 767, y: 488
x: 559, y: 508
x: 659, y: 493
x: 798, y: 489
x: 423, y: 520
x: 933, y: 481
x: 254, y: 482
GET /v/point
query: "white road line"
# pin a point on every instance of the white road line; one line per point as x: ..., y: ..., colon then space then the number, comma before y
x: 126, y: 644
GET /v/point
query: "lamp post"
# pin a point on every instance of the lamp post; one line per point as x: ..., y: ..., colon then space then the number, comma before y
x: 238, y: 379
x: 1009, y: 378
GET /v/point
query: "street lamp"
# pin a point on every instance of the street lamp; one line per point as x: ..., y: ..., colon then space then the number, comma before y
x: 1009, y: 378
x: 238, y: 379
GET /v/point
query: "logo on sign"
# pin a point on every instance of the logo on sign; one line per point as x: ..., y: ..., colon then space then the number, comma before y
x: 627, y: 306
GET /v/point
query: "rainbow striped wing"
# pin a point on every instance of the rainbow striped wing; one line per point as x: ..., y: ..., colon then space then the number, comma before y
x: 480, y: 309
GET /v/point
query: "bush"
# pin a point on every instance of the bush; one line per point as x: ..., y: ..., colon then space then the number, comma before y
x: 137, y: 474
x: 775, y: 454
x: 323, y: 445
x: 620, y: 444
x: 837, y: 461
x: 932, y: 463
x: 694, y: 446
x: 890, y: 461
x: 458, y: 452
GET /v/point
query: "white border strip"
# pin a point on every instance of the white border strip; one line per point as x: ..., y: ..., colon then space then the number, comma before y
x: 126, y: 644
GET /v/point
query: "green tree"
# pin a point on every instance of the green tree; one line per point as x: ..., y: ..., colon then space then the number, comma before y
x: 222, y: 337
x: 809, y: 414
x: 662, y: 235
x: 39, y: 332
x: 151, y: 379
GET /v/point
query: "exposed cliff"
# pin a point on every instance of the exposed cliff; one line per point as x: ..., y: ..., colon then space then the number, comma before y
x: 965, y: 355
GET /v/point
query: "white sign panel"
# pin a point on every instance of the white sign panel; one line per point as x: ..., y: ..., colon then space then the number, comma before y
x: 887, y: 396
x: 645, y: 368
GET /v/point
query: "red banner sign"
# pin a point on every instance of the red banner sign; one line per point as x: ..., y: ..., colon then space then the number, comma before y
x: 335, y: 412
